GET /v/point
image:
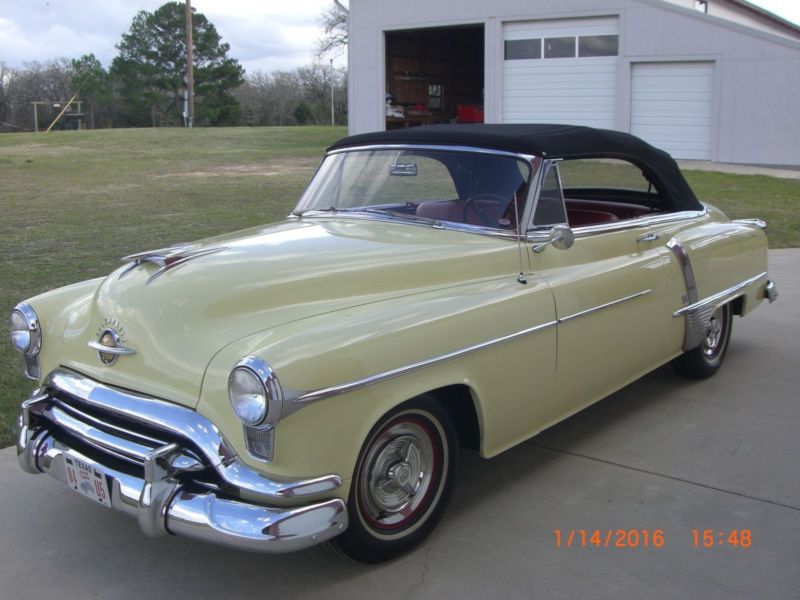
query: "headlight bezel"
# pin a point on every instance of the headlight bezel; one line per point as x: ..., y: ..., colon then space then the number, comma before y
x: 269, y: 385
x: 33, y: 329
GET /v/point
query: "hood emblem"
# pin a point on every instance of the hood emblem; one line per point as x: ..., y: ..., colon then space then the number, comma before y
x: 110, y: 342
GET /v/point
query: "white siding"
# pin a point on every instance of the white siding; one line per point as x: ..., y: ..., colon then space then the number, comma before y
x: 671, y: 106
x: 579, y: 91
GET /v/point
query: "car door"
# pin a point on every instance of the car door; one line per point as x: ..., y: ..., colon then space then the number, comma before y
x: 609, y: 289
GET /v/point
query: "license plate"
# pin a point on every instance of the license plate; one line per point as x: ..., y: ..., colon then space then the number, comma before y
x: 87, y: 479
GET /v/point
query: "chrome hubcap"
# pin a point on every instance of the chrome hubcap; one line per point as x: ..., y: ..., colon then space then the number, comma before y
x: 396, y: 474
x: 714, y: 332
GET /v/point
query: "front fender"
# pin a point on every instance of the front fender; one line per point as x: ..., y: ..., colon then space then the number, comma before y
x: 349, y: 345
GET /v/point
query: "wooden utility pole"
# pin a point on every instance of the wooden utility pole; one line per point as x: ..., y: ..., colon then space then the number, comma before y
x: 189, y: 64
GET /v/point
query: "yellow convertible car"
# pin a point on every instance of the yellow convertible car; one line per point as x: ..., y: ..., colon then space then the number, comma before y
x: 436, y: 288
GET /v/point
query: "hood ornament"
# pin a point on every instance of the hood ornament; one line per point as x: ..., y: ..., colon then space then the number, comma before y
x: 110, y: 340
x: 167, y: 258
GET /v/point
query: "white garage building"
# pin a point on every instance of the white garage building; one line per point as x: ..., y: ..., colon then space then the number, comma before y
x: 716, y: 80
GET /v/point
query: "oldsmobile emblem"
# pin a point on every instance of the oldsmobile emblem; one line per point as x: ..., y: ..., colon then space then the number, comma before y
x: 110, y: 342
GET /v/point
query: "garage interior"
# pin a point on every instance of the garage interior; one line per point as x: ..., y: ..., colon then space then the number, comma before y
x: 434, y: 75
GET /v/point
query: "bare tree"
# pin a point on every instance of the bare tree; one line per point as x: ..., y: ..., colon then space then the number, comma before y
x: 334, y: 22
x: 50, y: 81
x: 5, y: 83
x: 273, y: 98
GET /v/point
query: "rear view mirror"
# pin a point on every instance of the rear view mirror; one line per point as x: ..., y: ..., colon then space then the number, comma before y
x: 403, y: 170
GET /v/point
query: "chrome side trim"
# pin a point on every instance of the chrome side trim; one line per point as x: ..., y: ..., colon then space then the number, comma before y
x: 603, y: 306
x: 350, y: 386
x: 645, y: 221
x: 720, y: 298
x: 686, y: 269
x: 760, y: 223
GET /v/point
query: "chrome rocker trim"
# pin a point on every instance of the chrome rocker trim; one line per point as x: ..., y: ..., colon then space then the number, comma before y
x: 240, y: 513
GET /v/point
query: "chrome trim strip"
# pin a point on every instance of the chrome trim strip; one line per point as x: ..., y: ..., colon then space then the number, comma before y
x: 686, y: 269
x: 719, y: 298
x: 118, y: 350
x: 439, y: 147
x: 336, y: 390
x: 602, y: 306
x: 760, y: 223
x: 645, y: 221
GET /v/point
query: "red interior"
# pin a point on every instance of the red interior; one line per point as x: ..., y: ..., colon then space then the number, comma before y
x: 579, y: 212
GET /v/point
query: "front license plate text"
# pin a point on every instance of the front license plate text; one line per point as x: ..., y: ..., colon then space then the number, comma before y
x: 88, y: 480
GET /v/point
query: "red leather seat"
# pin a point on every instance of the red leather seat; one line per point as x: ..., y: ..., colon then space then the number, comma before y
x: 578, y: 217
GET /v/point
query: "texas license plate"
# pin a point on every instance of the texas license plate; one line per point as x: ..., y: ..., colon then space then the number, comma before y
x: 87, y: 479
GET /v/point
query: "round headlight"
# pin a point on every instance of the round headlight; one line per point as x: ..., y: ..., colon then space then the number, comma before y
x: 24, y: 328
x: 248, y: 396
x: 255, y: 393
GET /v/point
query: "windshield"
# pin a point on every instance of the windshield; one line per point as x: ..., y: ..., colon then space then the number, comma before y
x: 487, y: 190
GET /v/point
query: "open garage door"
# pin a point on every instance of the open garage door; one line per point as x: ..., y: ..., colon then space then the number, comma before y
x: 671, y: 106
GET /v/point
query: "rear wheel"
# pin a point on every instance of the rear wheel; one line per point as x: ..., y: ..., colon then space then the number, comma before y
x: 402, y: 483
x: 706, y: 359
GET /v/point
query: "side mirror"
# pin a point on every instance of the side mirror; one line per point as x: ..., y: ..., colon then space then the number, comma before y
x: 561, y: 237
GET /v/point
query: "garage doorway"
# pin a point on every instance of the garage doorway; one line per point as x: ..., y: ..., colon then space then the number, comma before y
x: 434, y: 75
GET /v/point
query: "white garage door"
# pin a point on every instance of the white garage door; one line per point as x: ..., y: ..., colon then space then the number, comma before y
x: 561, y: 71
x: 671, y: 106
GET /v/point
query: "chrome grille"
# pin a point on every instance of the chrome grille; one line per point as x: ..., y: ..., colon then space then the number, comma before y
x: 107, y: 434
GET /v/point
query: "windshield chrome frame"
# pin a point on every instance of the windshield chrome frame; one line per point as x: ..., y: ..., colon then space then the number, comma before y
x: 533, y: 181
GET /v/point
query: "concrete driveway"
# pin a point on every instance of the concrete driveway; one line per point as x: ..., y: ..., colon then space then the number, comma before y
x: 662, y: 454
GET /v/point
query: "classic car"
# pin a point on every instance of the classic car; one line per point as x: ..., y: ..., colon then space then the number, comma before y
x: 436, y: 289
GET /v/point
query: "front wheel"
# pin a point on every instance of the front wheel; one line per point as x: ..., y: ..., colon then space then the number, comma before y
x: 706, y: 359
x: 402, y: 482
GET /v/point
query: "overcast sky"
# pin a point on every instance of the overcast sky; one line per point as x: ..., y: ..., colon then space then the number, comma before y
x: 263, y: 34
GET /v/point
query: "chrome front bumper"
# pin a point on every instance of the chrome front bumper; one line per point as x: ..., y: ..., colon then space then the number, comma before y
x: 240, y: 513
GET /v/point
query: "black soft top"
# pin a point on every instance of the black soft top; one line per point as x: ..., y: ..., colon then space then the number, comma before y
x: 550, y: 141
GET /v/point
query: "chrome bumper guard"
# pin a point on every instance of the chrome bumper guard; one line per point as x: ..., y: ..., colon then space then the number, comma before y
x: 771, y: 291
x: 240, y: 513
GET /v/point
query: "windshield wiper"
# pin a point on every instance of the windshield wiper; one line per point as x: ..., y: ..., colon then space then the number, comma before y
x: 401, y: 215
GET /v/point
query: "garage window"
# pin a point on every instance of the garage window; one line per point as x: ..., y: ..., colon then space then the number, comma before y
x: 523, y: 49
x: 560, y: 47
x: 598, y: 45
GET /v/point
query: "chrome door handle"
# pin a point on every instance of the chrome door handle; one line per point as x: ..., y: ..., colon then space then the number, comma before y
x: 648, y: 237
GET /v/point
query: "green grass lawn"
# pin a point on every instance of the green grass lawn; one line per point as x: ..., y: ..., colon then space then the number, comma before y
x: 73, y: 203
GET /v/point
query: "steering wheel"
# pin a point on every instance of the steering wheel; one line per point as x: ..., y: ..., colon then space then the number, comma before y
x: 489, y: 208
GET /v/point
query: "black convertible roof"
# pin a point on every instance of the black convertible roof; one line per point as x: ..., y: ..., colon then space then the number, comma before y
x: 550, y: 141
